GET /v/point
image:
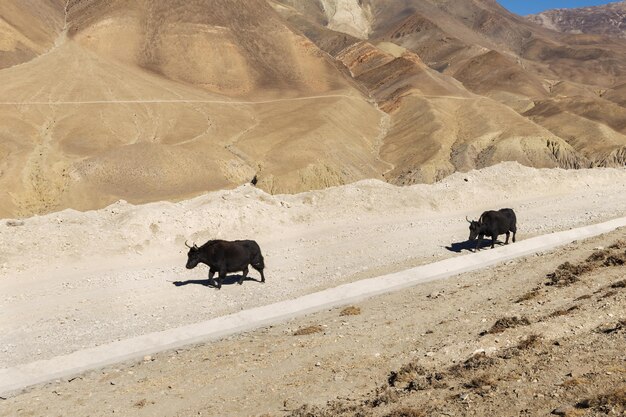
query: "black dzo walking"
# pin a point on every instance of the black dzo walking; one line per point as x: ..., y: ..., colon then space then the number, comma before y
x: 224, y: 256
x: 493, y: 223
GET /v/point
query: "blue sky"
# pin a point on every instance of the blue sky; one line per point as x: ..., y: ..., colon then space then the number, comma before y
x: 524, y: 7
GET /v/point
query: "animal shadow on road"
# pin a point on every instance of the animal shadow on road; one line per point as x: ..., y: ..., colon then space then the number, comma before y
x: 470, y: 245
x: 229, y: 280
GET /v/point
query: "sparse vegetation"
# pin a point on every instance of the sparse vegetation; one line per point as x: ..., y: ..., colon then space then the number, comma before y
x: 574, y: 382
x: 609, y: 294
x: 567, y: 274
x: 598, y: 255
x: 530, y: 342
x: 308, y: 330
x: 612, y: 328
x: 141, y: 403
x: 407, y: 373
x: 475, y: 362
x: 613, y: 402
x: 332, y: 409
x: 507, y: 323
x: 407, y: 412
x: 414, y: 377
x: 619, y: 244
x: 483, y: 382
x: 350, y: 311
x: 534, y: 293
x: 385, y: 395
x: 563, y: 312
x: 615, y: 260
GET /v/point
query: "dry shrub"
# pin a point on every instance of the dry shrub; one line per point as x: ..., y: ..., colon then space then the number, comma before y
x: 413, y: 377
x: 530, y: 342
x: 619, y: 284
x: 308, y: 330
x: 350, y: 311
x: 609, y: 294
x: 332, y: 409
x: 480, y: 382
x: 407, y: 412
x: 620, y: 244
x: 141, y: 403
x: 599, y: 255
x: 563, y: 312
x: 384, y: 395
x: 407, y: 373
x: 508, y: 323
x: 608, y: 329
x: 529, y: 295
x: 612, y: 402
x: 574, y: 382
x: 475, y: 362
x: 572, y: 412
x: 615, y: 260
x: 306, y: 411
x: 583, y: 297
x: 568, y: 273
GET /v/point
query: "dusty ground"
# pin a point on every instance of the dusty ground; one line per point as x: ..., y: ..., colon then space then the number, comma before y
x: 435, y: 344
x: 110, y: 274
x: 119, y: 272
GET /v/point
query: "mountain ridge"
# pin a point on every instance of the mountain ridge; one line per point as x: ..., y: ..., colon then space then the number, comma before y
x: 160, y: 100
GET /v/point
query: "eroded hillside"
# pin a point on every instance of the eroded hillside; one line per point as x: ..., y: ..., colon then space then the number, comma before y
x: 464, y: 82
x: 154, y: 100
x: 608, y: 19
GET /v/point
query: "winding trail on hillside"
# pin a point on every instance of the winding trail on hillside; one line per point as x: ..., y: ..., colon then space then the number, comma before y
x: 174, y: 101
x: 183, y: 101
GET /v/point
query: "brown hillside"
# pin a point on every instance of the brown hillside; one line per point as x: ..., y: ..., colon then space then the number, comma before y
x: 608, y: 19
x: 153, y: 100
x: 28, y: 28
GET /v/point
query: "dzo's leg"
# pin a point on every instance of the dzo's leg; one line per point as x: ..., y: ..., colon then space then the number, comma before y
x: 243, y: 275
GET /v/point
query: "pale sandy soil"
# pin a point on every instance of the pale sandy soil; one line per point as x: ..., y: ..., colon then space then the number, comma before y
x: 72, y: 280
x: 579, y: 355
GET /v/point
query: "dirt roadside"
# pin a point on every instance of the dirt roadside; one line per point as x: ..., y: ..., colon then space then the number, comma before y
x: 116, y: 273
x: 423, y: 351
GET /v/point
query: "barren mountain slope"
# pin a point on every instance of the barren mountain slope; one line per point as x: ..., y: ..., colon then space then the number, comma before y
x: 232, y: 47
x: 608, y: 19
x: 478, y: 46
x: 93, y: 121
x: 28, y: 28
x: 154, y: 100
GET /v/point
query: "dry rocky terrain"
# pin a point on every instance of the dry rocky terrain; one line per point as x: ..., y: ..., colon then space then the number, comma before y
x: 608, y: 19
x: 373, y: 128
x: 540, y: 334
x: 118, y: 272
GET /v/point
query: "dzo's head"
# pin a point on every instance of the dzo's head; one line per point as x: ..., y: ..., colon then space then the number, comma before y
x: 193, y: 256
